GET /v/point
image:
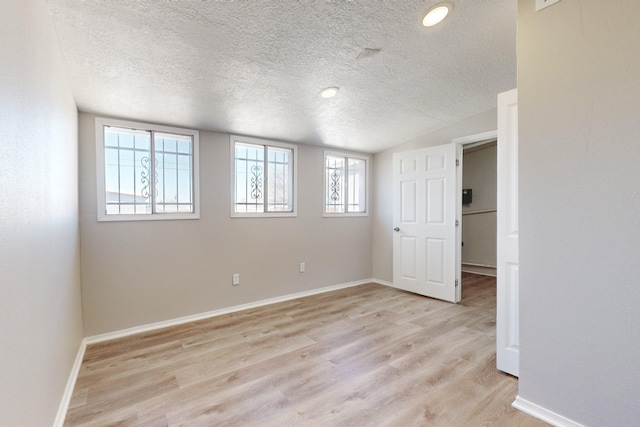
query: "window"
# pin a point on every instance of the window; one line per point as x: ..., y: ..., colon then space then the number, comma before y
x: 345, y: 184
x: 146, y: 171
x: 264, y: 177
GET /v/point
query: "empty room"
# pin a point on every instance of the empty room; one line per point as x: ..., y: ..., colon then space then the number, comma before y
x: 218, y: 213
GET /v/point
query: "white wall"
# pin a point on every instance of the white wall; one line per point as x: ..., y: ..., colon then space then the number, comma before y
x: 579, y: 124
x: 136, y: 273
x: 383, y: 188
x: 40, y: 311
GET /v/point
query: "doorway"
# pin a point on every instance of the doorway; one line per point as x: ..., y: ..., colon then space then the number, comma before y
x: 479, y: 207
x: 426, y: 191
x: 471, y: 212
x: 507, y: 253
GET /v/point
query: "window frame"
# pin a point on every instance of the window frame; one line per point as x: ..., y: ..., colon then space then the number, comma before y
x: 100, y: 123
x: 346, y: 156
x: 233, y: 139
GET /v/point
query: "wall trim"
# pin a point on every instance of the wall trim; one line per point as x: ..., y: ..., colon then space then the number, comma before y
x: 543, y: 414
x: 194, y: 317
x: 476, y: 137
x: 382, y: 282
x: 71, y: 383
x: 478, y: 272
x: 475, y: 264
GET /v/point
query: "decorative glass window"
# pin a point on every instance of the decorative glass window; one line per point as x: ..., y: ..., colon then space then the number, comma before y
x: 264, y: 177
x: 146, y: 171
x: 345, y: 184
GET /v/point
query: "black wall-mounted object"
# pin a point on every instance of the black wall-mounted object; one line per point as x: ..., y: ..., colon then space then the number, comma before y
x: 467, y: 196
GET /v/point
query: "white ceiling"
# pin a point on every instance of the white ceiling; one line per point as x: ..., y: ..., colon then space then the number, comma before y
x: 257, y: 67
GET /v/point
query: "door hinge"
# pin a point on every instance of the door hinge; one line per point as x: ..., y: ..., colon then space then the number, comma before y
x: 456, y: 282
x: 457, y: 162
x: 457, y: 223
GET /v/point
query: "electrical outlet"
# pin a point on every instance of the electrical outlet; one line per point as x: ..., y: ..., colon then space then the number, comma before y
x: 302, y: 267
x: 541, y: 4
x: 236, y: 279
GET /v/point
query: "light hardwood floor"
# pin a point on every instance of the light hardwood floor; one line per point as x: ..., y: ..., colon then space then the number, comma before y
x: 363, y: 356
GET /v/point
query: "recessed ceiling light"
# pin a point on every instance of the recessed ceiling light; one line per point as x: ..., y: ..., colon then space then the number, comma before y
x: 329, y: 92
x: 436, y: 14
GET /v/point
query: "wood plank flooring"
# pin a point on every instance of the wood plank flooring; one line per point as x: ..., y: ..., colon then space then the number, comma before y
x: 363, y: 356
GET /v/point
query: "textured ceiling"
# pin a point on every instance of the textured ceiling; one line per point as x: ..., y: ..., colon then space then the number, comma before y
x: 257, y: 67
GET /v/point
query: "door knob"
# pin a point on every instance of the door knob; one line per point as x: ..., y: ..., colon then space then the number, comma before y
x: 396, y: 229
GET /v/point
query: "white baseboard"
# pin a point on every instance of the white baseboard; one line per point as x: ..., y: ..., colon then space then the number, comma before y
x: 479, y: 273
x: 186, y: 319
x: 543, y: 414
x: 71, y: 383
x: 382, y: 282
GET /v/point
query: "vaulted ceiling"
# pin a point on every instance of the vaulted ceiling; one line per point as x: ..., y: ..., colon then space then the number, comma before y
x: 257, y: 67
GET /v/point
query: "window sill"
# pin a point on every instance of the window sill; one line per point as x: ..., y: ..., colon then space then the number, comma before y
x: 265, y: 215
x: 345, y: 215
x: 148, y: 217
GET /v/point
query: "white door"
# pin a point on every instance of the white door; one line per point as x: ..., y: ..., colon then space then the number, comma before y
x: 424, y: 218
x: 507, y: 315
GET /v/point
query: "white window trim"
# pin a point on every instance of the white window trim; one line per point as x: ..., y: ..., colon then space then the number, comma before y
x: 100, y: 171
x: 344, y: 154
x: 232, y: 157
